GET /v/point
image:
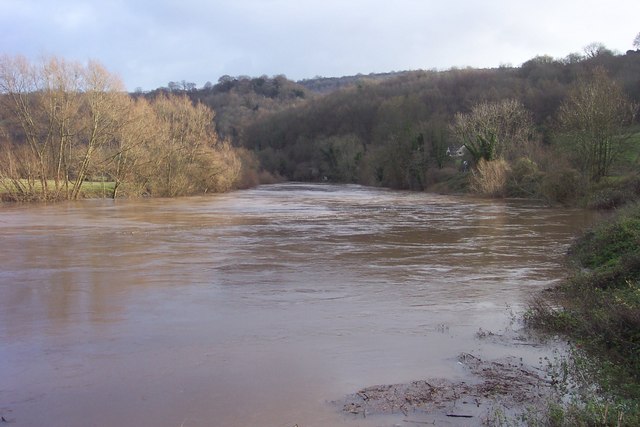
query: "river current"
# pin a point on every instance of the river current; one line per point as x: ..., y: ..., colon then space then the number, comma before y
x: 257, y: 307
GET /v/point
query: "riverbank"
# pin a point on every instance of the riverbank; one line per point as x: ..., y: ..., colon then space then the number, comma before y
x: 598, y: 309
x: 493, y: 392
x: 595, y: 381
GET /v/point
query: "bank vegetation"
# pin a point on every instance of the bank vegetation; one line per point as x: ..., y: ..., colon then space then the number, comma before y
x: 598, y: 309
x: 70, y: 130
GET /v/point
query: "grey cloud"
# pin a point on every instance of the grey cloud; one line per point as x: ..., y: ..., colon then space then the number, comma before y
x: 152, y: 42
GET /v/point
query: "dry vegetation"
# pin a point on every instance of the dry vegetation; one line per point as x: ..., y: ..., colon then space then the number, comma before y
x: 65, y: 124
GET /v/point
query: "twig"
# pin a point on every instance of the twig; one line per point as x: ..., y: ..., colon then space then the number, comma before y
x: 459, y: 416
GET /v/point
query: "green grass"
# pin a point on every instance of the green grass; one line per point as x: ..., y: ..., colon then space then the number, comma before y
x: 33, y: 191
x: 630, y: 157
x: 598, y: 309
x: 96, y: 189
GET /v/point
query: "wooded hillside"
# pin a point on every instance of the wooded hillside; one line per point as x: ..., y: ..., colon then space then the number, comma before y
x: 538, y: 130
x: 395, y: 131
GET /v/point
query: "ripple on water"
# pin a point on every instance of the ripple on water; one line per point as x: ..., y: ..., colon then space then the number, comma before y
x: 280, y: 297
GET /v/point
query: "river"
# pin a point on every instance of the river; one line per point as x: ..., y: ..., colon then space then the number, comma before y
x: 257, y: 307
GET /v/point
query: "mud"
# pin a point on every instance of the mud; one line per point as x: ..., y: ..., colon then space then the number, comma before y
x: 507, y: 385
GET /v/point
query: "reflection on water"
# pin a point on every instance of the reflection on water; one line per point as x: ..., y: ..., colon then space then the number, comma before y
x: 255, y: 307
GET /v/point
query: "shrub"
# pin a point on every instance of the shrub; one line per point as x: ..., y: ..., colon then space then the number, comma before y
x: 447, y: 180
x: 612, y: 195
x: 490, y: 178
x: 608, y: 245
x: 249, y: 175
x: 525, y: 178
x: 564, y: 186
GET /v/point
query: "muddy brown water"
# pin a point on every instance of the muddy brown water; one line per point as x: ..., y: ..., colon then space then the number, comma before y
x: 258, y: 307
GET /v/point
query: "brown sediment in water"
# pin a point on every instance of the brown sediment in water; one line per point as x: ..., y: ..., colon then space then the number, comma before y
x: 256, y: 307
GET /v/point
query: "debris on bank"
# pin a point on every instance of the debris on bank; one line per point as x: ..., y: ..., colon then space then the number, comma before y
x: 505, y: 383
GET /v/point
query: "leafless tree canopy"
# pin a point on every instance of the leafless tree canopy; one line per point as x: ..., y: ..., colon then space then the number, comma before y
x: 492, y: 129
x: 595, y: 115
x: 64, y: 123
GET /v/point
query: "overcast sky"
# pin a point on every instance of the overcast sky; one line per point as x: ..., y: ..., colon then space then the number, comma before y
x: 151, y: 42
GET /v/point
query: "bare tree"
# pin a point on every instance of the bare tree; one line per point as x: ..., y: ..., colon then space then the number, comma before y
x: 19, y: 86
x: 636, y: 41
x: 61, y: 99
x: 594, y: 117
x: 491, y: 130
x: 63, y: 123
x: 105, y: 105
x: 126, y: 156
x: 595, y: 49
x: 188, y: 158
x: 63, y: 112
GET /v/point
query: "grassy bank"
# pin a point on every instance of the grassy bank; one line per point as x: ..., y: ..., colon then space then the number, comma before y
x: 25, y: 191
x: 96, y: 189
x: 598, y: 309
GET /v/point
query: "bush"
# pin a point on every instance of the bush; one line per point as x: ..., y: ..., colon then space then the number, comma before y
x: 249, y: 175
x: 447, y: 180
x: 612, y: 195
x: 606, y: 246
x: 490, y: 178
x: 564, y: 186
x: 525, y: 179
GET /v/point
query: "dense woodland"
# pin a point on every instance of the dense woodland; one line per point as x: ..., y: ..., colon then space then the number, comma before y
x: 542, y: 130
x: 396, y: 132
x: 520, y: 126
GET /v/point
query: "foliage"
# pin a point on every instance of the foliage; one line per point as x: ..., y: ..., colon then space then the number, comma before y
x: 616, y: 193
x: 447, y: 180
x: 326, y: 85
x: 188, y: 158
x: 388, y: 114
x: 604, y: 248
x: 393, y: 129
x: 57, y: 116
x: 342, y: 157
x: 240, y: 100
x: 403, y: 162
x: 251, y: 173
x: 563, y: 185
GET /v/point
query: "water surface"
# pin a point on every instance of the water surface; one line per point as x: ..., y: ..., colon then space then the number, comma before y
x: 255, y: 307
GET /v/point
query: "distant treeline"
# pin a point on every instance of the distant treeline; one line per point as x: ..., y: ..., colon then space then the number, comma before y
x: 238, y: 101
x: 396, y: 129
x: 538, y: 130
x: 375, y: 132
